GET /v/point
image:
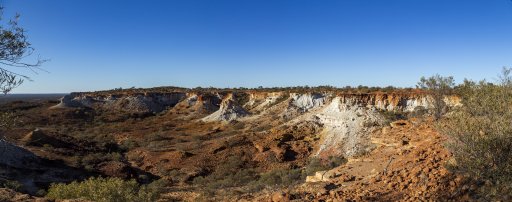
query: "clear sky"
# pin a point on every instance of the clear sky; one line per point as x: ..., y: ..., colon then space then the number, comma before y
x: 99, y: 44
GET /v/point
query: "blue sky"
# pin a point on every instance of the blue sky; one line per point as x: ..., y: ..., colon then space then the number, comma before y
x: 99, y: 44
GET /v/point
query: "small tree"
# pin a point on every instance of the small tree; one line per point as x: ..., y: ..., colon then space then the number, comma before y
x: 438, y: 87
x: 14, y: 49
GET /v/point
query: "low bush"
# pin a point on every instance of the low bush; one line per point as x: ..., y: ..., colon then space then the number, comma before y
x: 481, y: 131
x: 91, y: 160
x: 316, y: 164
x: 390, y: 116
x: 280, y: 99
x: 230, y: 173
x: 277, y: 178
x: 239, y: 126
x: 11, y: 184
x: 438, y: 88
x: 128, y: 145
x: 106, y: 190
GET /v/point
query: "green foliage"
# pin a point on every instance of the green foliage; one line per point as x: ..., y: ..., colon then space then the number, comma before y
x: 230, y: 173
x: 239, y: 126
x: 335, y: 161
x: 277, y: 178
x: 287, y: 177
x: 391, y: 116
x: 41, y: 192
x: 11, y: 184
x: 106, y: 190
x: 241, y: 98
x: 482, y: 134
x: 7, y: 120
x: 128, y: 145
x: 438, y: 87
x: 316, y: 164
x: 280, y: 177
x: 91, y: 160
x: 14, y: 48
x: 280, y: 99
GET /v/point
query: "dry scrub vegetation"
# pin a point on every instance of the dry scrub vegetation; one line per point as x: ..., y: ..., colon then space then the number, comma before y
x: 106, y: 190
x: 482, y: 135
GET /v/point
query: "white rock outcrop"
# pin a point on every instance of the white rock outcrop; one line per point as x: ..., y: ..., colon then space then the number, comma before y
x: 140, y: 103
x: 308, y: 101
x: 346, y: 127
x: 68, y: 101
x: 229, y: 111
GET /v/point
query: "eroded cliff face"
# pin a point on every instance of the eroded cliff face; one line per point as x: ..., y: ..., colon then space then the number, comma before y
x: 257, y: 101
x: 345, y: 120
x: 136, y: 103
x: 229, y: 110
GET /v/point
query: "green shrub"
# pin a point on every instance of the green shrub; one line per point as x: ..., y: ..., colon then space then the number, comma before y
x: 481, y: 130
x: 239, y: 126
x: 438, y: 87
x: 41, y: 192
x: 230, y: 173
x: 277, y: 178
x: 12, y: 184
x: 390, y: 116
x: 335, y: 161
x: 316, y: 164
x: 241, y: 98
x: 91, y: 160
x: 418, y: 112
x: 128, y: 145
x: 8, y: 120
x: 280, y: 99
x: 106, y: 190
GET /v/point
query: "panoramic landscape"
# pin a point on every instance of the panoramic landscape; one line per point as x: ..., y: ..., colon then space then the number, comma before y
x: 256, y: 101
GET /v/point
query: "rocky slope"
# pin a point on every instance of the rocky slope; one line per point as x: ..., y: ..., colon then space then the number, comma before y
x: 193, y: 137
x: 407, y: 164
x: 345, y: 119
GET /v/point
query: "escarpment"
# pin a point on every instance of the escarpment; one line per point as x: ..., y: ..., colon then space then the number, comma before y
x: 139, y: 103
x: 345, y: 120
x: 254, y: 101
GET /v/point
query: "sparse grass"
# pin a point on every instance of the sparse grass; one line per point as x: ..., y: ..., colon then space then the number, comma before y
x: 280, y: 99
x: 239, y: 126
x: 390, y: 116
x: 263, y: 128
x: 241, y: 98
x: 90, y: 161
x: 157, y: 136
x: 277, y: 178
x: 128, y: 145
x: 316, y: 164
x: 135, y: 158
x: 232, y: 173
